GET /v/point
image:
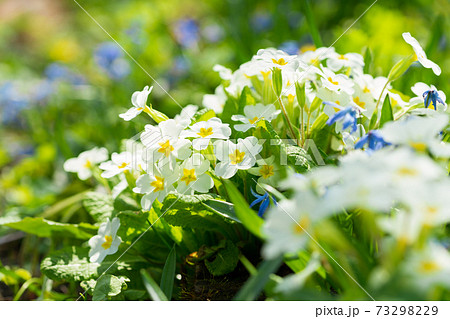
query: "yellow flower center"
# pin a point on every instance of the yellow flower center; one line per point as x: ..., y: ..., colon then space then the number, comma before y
x: 265, y: 75
x: 254, y: 120
x: 236, y: 157
x: 335, y: 108
x: 359, y: 102
x: 366, y: 90
x: 123, y: 165
x: 165, y: 148
x: 139, y: 108
x: 205, y: 132
x: 108, y: 242
x: 301, y: 225
x: 429, y: 266
x: 342, y: 57
x: 332, y: 82
x: 88, y: 164
x: 266, y: 171
x: 407, y: 171
x: 432, y: 210
x: 158, y: 184
x: 280, y: 61
x: 188, y: 176
x: 291, y: 98
x: 418, y: 146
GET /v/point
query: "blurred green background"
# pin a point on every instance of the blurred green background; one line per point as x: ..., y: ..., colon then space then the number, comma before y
x: 63, y: 82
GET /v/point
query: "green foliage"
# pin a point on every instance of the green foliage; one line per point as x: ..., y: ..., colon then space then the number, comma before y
x: 99, y: 206
x: 108, y: 286
x: 72, y: 264
x: 246, y: 215
x: 47, y: 228
x: 256, y: 283
x: 189, y: 211
x: 152, y: 287
x: 386, y: 112
x: 168, y: 273
x: 224, y: 260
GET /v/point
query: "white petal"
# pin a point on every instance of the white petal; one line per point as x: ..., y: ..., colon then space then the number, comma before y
x: 131, y: 113
x: 203, y: 184
x: 225, y: 170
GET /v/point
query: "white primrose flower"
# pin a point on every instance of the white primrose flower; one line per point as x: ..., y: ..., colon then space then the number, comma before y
x: 429, y: 267
x: 215, y: 101
x: 420, y: 133
x: 224, y: 73
x: 239, y: 80
x: 164, y: 142
x: 336, y: 82
x: 139, y: 100
x: 290, y: 224
x: 234, y: 157
x: 186, y: 115
x: 204, y: 131
x: 350, y: 60
x: 156, y: 185
x: 119, y: 163
x: 420, y: 88
x: 420, y: 53
x: 403, y: 226
x: 254, y: 114
x: 268, y: 172
x: 193, y: 175
x: 83, y: 164
x: 106, y: 242
x: 314, y: 57
x: 273, y: 58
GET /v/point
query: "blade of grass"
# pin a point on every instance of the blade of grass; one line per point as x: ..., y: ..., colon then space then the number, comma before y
x: 312, y: 24
x: 168, y: 273
x: 152, y: 287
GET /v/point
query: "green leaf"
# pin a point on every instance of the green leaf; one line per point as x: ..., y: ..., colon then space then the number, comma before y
x: 277, y: 81
x: 203, y: 115
x: 386, y: 112
x: 307, y: 11
x: 246, y: 215
x: 132, y: 224
x: 153, y: 290
x: 108, y: 286
x: 298, y: 158
x: 47, y: 228
x: 400, y: 67
x: 222, y: 208
x: 246, y: 98
x: 168, y: 273
x: 126, y: 203
x: 72, y: 264
x: 189, y: 211
x: 373, y: 120
x: 224, y: 261
x: 367, y: 60
x: 321, y: 132
x: 99, y: 206
x: 256, y: 283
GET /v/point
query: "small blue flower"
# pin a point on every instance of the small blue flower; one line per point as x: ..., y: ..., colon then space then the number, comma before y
x: 290, y: 47
x: 109, y: 57
x: 374, y: 140
x: 347, y: 116
x: 59, y: 72
x: 431, y: 96
x: 261, y: 21
x: 264, y: 200
x: 187, y: 33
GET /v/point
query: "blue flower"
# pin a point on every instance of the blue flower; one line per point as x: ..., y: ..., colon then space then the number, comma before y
x: 264, y: 200
x: 290, y: 47
x: 261, y: 21
x: 374, y: 140
x: 187, y: 33
x: 431, y: 96
x: 59, y: 72
x: 109, y: 57
x: 347, y: 116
